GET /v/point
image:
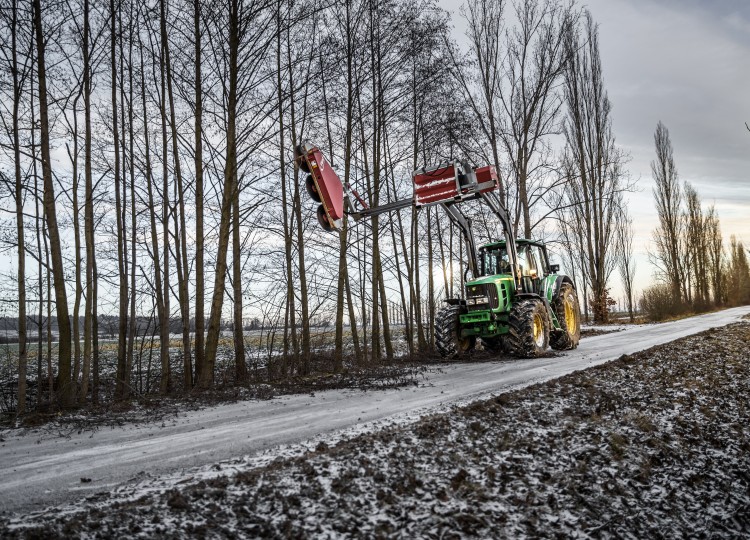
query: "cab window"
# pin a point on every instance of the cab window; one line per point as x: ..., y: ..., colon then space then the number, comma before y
x: 532, y: 261
x: 495, y: 261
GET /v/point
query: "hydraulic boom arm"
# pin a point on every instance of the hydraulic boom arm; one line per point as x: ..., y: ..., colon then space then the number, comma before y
x: 444, y: 185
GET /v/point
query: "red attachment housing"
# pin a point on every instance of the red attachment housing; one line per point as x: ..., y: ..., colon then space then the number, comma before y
x: 445, y: 184
x: 484, y: 175
x: 327, y: 183
x: 437, y: 185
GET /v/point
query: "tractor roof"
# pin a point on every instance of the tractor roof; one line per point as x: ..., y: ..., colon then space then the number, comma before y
x: 519, y: 242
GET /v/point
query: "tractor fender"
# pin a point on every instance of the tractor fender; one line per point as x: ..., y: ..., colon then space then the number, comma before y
x: 455, y: 302
x: 559, y: 283
x: 548, y: 307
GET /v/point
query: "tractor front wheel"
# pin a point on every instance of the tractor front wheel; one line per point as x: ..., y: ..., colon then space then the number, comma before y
x: 448, y: 340
x: 568, y: 314
x: 528, y: 329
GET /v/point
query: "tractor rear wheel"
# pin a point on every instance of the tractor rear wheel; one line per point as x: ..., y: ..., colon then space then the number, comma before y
x: 568, y: 314
x: 448, y: 340
x: 528, y: 329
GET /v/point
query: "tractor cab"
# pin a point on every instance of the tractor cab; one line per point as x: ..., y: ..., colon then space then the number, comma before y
x: 533, y: 262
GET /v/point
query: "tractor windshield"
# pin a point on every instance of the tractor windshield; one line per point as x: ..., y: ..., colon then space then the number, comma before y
x: 495, y: 261
x: 532, y: 261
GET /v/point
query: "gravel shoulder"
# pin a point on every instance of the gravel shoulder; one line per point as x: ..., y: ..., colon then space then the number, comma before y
x: 653, y: 444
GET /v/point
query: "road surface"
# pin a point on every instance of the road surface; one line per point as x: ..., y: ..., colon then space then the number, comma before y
x: 41, y: 470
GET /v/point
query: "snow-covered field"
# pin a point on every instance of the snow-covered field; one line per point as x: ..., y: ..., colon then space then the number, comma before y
x: 342, y: 486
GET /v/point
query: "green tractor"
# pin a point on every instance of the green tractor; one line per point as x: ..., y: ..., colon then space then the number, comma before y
x: 523, y: 321
x: 515, y: 300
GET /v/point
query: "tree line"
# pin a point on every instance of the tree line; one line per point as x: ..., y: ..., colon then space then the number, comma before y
x: 694, y: 270
x: 148, y: 149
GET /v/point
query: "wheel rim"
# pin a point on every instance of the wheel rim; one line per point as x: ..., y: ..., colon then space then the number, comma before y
x: 538, y: 330
x: 571, y: 321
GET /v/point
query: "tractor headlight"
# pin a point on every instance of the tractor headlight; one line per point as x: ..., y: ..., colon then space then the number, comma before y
x: 478, y: 300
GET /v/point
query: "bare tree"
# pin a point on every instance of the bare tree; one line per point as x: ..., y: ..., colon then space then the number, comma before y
x: 161, y: 303
x: 66, y: 389
x: 89, y: 310
x: 738, y: 286
x: 242, y: 44
x: 229, y: 189
x: 715, y: 256
x: 597, y: 179
x: 668, y: 194
x: 181, y: 261
x: 199, y: 230
x: 625, y: 261
x: 17, y: 59
x: 485, y: 29
x: 533, y: 69
x: 696, y: 248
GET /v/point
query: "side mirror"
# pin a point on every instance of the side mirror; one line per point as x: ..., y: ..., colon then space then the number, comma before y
x: 555, y: 268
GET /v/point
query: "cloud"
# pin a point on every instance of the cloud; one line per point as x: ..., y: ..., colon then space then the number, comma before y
x: 685, y: 63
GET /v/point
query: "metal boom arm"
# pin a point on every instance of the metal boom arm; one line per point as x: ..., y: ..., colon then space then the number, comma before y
x: 445, y: 185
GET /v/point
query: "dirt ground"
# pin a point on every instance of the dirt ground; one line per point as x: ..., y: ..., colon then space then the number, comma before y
x: 651, y: 445
x: 156, y: 408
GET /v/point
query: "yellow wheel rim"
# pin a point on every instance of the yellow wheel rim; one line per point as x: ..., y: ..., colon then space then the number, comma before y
x: 538, y: 330
x: 570, y: 316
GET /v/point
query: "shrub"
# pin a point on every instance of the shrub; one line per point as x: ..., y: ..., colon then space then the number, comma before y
x: 658, y: 303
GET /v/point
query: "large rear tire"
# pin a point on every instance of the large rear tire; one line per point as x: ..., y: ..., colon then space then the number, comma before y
x: 528, y: 329
x: 568, y: 314
x: 448, y: 340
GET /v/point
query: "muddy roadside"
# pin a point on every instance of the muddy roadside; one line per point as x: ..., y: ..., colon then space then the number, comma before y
x: 651, y: 445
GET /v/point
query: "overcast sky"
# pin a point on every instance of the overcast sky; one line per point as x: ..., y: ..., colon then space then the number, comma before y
x: 686, y: 63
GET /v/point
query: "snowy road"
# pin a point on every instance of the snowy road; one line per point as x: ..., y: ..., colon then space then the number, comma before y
x: 39, y: 470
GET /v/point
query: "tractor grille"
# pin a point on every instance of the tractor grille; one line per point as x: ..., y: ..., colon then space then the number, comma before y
x: 486, y: 291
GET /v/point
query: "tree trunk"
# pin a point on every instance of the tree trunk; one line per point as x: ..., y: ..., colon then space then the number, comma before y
x: 161, y: 307
x: 199, y: 241
x: 240, y: 363
x: 180, y: 229
x: 50, y: 210
x: 88, y: 209
x: 229, y: 191
x: 297, y: 204
x: 290, y: 323
x: 133, y: 222
x: 78, y: 259
x: 121, y: 378
x: 165, y: 383
x: 22, y: 338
